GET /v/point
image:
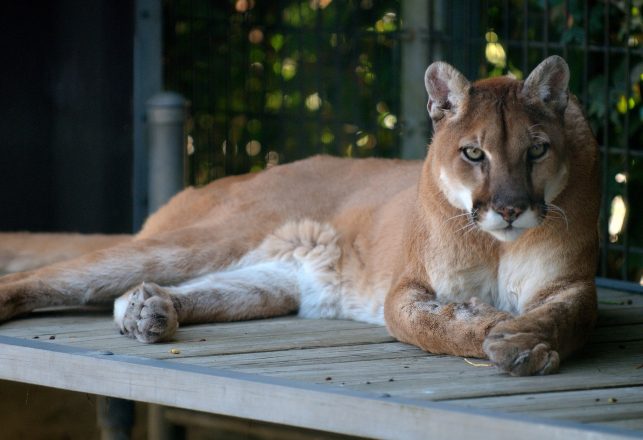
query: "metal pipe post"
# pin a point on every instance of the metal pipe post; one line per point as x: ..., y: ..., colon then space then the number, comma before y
x: 166, y: 114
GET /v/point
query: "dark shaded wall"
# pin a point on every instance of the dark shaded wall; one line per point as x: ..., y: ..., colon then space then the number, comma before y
x: 65, y: 119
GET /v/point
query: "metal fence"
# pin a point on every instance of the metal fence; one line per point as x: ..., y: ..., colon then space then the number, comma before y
x: 271, y: 82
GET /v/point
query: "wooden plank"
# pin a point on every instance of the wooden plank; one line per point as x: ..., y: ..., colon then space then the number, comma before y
x: 419, y: 375
x: 607, y: 296
x: 88, y: 324
x: 311, y: 357
x: 588, y: 406
x: 271, y: 400
x: 617, y: 308
x: 347, y: 352
x: 202, y: 340
x: 618, y: 333
x: 631, y: 424
x: 616, y: 315
x: 240, y: 337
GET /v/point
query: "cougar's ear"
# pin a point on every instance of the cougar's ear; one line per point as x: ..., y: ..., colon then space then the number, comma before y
x: 548, y: 84
x: 446, y: 88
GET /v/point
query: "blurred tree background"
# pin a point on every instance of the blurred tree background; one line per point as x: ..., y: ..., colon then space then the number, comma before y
x: 275, y: 81
x: 271, y: 82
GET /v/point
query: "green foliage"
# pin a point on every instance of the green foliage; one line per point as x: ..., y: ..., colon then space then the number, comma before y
x: 272, y: 82
x: 603, y: 44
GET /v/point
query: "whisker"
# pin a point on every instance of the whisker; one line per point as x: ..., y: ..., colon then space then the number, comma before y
x: 464, y: 214
x: 556, y: 213
x: 465, y: 227
x: 472, y: 227
x: 470, y: 216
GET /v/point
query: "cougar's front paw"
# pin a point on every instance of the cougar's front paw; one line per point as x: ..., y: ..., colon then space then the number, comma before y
x: 520, y: 354
x: 146, y: 313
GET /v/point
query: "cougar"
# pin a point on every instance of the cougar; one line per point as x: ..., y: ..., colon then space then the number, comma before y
x: 487, y: 248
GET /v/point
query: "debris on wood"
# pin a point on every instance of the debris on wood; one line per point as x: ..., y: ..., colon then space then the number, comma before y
x: 477, y: 364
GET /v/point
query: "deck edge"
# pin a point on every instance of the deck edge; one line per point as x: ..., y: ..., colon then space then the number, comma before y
x: 270, y: 399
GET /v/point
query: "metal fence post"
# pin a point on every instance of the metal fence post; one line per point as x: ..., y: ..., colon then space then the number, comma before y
x: 415, y: 51
x: 148, y: 72
x: 166, y: 118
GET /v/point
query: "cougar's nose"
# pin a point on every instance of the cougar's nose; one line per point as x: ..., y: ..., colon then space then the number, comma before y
x: 509, y: 213
x: 510, y: 207
x: 510, y: 203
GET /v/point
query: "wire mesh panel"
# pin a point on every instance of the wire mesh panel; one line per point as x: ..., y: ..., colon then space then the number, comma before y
x: 276, y: 81
x: 271, y: 82
x: 602, y: 42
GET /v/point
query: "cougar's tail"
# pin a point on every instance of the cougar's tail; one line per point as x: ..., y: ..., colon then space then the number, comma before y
x: 24, y: 250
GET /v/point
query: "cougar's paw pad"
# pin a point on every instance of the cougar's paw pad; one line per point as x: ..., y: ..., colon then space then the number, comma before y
x: 520, y: 355
x: 146, y: 313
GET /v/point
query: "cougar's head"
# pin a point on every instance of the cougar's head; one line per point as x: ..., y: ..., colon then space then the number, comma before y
x: 498, y: 149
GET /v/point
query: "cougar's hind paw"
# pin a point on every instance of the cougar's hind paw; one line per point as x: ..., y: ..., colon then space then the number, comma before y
x: 146, y: 313
x: 521, y: 354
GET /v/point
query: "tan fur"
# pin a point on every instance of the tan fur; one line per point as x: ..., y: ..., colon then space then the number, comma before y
x: 491, y: 259
x: 22, y: 251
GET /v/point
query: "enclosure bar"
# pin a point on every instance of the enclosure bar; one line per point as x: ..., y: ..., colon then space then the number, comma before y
x: 505, y: 24
x: 566, y: 6
x: 413, y: 102
x: 166, y: 122
x: 226, y: 146
x: 546, y: 29
x: 620, y: 151
x: 585, y: 53
x: 429, y: 31
x: 337, y: 83
x: 525, y: 37
x: 631, y: 249
x: 148, y: 80
x: 318, y: 80
x: 626, y: 145
x: 591, y: 48
x: 604, y: 163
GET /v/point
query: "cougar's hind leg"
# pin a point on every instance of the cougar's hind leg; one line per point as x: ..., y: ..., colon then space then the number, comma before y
x: 99, y: 277
x: 151, y: 313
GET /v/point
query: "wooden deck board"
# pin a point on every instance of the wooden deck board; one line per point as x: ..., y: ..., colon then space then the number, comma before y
x: 590, y: 406
x: 347, y: 357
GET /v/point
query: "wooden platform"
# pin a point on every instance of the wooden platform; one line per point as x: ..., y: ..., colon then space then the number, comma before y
x: 341, y: 376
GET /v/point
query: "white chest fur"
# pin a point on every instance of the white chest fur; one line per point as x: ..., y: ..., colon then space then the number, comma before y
x: 459, y: 284
x: 519, y: 275
x: 523, y: 274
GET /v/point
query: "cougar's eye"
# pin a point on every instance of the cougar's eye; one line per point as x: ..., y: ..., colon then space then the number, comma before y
x: 474, y: 154
x: 537, y: 151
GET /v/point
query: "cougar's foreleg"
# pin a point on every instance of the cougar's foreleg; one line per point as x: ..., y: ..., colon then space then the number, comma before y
x: 414, y: 315
x: 555, y: 323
